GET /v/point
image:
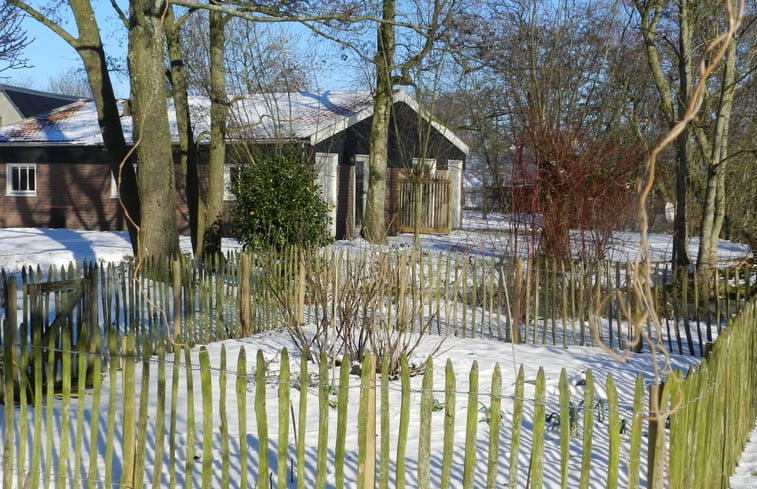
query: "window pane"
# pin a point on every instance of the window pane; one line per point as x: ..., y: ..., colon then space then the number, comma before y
x: 15, y: 184
x: 23, y: 179
x: 32, y: 183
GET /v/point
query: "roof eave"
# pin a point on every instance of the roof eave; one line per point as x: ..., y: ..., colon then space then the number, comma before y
x: 340, y: 125
x: 402, y: 96
x: 399, y: 96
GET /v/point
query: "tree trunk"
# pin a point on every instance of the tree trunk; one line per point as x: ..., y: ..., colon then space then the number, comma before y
x: 714, y: 205
x: 375, y: 225
x: 158, y: 235
x: 680, y: 233
x: 650, y: 14
x: 90, y: 49
x: 187, y: 147
x: 219, y: 111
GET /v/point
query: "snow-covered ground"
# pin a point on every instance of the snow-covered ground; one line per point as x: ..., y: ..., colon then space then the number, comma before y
x: 491, y: 236
x: 20, y: 247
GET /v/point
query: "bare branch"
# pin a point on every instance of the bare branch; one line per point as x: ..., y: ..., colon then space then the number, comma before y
x: 47, y: 22
x: 120, y: 13
x: 13, y: 39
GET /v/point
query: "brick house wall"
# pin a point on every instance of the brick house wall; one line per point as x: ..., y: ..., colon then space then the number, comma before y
x: 74, y: 196
x: 78, y: 196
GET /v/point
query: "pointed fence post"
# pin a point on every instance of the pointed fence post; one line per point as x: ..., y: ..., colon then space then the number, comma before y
x: 366, y: 475
x: 176, y: 276
x: 655, y: 395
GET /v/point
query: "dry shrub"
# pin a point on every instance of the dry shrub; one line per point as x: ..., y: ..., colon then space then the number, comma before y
x: 362, y: 303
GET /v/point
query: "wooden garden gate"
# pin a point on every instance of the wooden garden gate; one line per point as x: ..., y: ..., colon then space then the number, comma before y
x: 432, y: 194
x: 51, y: 308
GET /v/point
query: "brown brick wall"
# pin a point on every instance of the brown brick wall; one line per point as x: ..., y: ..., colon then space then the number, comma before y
x: 74, y: 196
x: 77, y: 196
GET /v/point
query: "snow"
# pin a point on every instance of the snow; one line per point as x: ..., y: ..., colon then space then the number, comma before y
x: 45, y: 247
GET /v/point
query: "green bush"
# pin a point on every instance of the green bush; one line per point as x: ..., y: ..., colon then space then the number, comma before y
x: 278, y: 203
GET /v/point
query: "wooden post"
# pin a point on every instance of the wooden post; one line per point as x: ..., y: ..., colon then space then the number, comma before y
x: 366, y: 468
x: 655, y: 394
x: 93, y: 333
x: 176, y: 279
x: 301, y: 290
x: 370, y: 462
x: 10, y: 335
x: 517, y: 292
x: 244, y: 290
x: 9, y: 357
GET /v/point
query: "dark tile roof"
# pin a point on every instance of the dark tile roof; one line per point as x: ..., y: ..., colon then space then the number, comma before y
x: 32, y: 102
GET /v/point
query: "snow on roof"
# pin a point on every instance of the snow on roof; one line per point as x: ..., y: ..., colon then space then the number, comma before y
x: 75, y: 123
x: 301, y: 116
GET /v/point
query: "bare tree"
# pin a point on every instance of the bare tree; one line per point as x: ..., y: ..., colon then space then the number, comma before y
x: 73, y: 82
x: 152, y: 138
x: 178, y: 77
x: 392, y: 70
x: 260, y: 58
x: 547, y: 99
x: 88, y: 44
x: 13, y: 38
x: 675, y: 37
x: 225, y: 51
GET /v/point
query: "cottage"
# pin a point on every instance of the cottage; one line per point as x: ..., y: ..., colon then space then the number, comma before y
x: 55, y: 170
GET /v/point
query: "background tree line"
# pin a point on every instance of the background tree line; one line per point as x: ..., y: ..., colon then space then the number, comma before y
x: 563, y: 99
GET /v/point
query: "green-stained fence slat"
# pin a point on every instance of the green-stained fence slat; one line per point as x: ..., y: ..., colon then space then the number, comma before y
x: 449, y: 424
x: 424, y: 430
x: 495, y: 420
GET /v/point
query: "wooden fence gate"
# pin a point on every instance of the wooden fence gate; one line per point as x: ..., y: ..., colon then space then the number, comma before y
x: 428, y: 199
x: 58, y: 314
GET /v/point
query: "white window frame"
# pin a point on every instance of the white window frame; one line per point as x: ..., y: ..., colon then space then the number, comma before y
x: 9, y: 169
x: 114, y: 184
x: 228, y: 195
x: 429, y: 163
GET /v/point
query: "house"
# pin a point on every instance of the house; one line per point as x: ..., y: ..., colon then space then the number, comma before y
x: 18, y: 103
x: 55, y: 170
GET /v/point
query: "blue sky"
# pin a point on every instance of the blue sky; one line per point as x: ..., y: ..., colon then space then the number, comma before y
x: 50, y: 56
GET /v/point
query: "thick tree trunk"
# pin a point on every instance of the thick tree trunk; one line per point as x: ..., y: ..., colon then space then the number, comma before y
x: 680, y: 232
x: 187, y: 147
x: 158, y: 235
x: 375, y: 223
x: 90, y: 49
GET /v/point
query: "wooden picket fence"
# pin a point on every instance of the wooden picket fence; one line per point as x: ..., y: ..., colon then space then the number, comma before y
x: 198, y: 302
x: 179, y: 420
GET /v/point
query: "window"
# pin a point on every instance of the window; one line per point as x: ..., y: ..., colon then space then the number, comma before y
x: 429, y: 165
x: 230, y: 178
x: 114, y: 184
x: 21, y: 179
